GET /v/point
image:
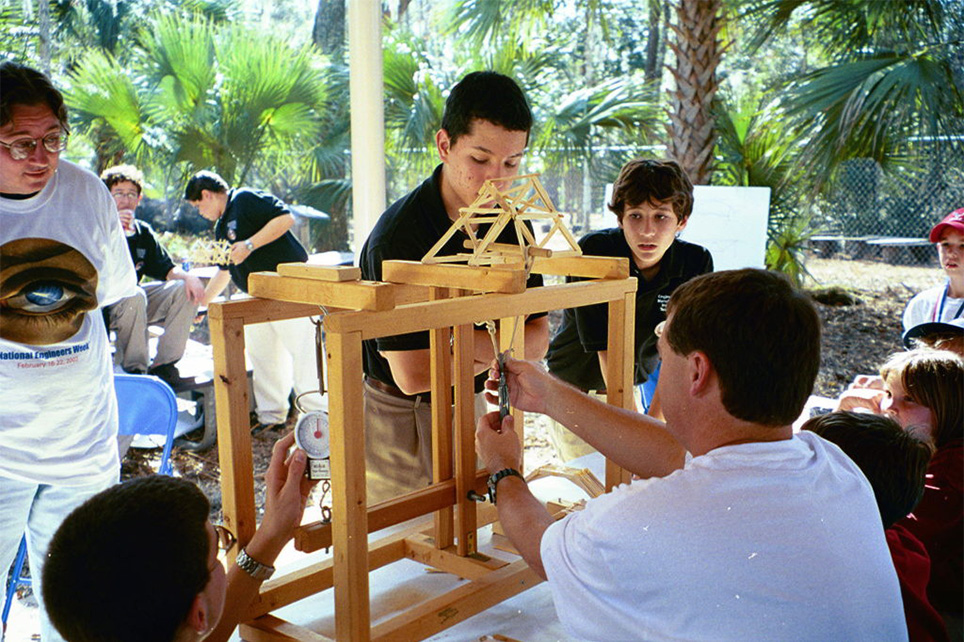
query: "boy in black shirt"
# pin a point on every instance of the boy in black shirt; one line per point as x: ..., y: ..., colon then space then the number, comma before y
x: 258, y: 226
x: 652, y: 201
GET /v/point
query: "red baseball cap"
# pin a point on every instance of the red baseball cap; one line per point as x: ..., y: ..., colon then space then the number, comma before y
x: 954, y: 220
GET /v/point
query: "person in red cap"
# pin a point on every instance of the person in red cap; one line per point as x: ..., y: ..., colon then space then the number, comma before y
x: 945, y: 302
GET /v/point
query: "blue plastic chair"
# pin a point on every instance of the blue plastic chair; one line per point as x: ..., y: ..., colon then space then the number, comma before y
x: 147, y: 406
x: 17, y: 579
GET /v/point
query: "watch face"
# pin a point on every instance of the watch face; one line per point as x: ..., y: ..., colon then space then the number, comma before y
x: 311, y: 434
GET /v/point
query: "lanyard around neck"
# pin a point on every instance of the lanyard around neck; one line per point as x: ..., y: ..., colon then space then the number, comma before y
x: 939, y: 311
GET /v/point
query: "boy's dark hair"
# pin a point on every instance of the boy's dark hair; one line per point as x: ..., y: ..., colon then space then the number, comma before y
x: 761, y: 335
x: 22, y: 85
x: 935, y: 379
x: 121, y: 173
x: 893, y: 460
x: 486, y: 95
x: 204, y: 180
x: 127, y: 564
x: 644, y: 180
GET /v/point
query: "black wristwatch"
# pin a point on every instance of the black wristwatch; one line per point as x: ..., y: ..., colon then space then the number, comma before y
x: 495, y: 478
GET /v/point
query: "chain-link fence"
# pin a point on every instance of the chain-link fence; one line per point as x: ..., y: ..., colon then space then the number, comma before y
x: 870, y: 214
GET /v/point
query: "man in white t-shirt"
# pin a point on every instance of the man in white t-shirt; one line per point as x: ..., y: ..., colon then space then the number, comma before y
x: 738, y: 529
x: 63, y: 257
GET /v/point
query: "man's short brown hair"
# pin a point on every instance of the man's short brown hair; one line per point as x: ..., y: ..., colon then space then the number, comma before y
x: 121, y: 173
x: 22, y: 85
x: 644, y: 180
x: 761, y: 335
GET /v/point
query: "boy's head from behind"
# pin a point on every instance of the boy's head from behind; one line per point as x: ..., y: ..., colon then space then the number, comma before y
x: 644, y: 180
x: 892, y: 459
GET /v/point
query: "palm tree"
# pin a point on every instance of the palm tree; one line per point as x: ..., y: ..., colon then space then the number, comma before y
x: 890, y: 79
x: 691, y: 131
x: 199, y: 96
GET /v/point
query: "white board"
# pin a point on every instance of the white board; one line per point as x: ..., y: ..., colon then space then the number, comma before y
x: 732, y: 223
x: 729, y: 221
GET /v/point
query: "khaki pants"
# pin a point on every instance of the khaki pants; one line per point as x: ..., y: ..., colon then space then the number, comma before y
x: 566, y: 444
x: 398, y: 443
x: 157, y: 302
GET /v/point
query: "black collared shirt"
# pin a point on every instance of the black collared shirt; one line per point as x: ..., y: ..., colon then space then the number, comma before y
x: 407, y: 230
x: 149, y: 257
x: 246, y: 212
x: 585, y: 331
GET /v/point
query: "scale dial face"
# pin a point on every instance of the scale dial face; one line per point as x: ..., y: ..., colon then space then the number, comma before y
x: 311, y: 434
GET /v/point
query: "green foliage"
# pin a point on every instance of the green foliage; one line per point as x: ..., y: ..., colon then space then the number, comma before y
x: 200, y: 95
x: 787, y: 245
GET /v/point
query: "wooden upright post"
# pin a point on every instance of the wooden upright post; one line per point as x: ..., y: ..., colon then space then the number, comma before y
x: 442, y: 449
x: 350, y: 523
x: 234, y: 446
x: 619, y: 378
x: 465, y: 437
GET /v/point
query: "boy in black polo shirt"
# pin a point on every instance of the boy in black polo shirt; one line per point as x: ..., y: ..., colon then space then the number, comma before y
x: 258, y: 227
x: 652, y: 201
x: 483, y: 135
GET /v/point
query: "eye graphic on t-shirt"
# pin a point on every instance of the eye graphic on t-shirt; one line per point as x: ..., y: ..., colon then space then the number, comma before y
x: 46, y: 287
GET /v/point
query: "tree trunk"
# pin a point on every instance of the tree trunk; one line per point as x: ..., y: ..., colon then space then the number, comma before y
x: 653, y: 70
x: 329, y: 30
x: 698, y: 52
x: 45, y: 38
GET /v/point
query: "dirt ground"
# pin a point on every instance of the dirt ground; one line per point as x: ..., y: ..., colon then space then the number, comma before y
x: 857, y: 338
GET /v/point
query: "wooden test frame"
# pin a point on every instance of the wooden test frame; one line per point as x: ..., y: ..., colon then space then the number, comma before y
x: 446, y: 301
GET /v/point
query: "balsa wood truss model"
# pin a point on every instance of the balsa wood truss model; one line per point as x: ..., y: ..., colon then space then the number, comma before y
x: 210, y: 252
x: 510, y: 200
x: 447, y: 301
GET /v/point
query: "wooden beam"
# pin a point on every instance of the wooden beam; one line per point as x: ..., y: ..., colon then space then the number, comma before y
x: 464, y: 277
x: 622, y: 314
x: 259, y: 310
x: 440, y: 350
x: 591, y: 267
x: 465, y: 437
x: 471, y: 309
x: 315, y: 536
x: 336, y: 273
x: 458, y: 605
x: 234, y: 428
x: 508, y: 248
x: 350, y: 526
x: 269, y: 628
x: 350, y: 295
x: 297, y: 585
x: 423, y: 549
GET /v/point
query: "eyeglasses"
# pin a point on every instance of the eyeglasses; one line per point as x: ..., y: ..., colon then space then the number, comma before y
x: 23, y: 148
x: 130, y: 195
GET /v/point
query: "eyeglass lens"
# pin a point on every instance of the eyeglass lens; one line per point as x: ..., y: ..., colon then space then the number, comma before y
x: 53, y: 143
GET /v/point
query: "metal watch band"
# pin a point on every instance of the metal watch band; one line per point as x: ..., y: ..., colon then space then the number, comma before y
x: 248, y: 244
x: 495, y: 478
x: 253, y: 567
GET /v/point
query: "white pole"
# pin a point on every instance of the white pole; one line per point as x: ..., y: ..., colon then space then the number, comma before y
x: 366, y: 84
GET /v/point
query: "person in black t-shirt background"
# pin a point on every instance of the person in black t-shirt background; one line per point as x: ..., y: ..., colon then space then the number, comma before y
x: 171, y: 300
x: 652, y: 201
x: 258, y: 226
